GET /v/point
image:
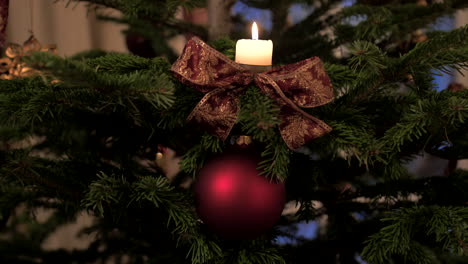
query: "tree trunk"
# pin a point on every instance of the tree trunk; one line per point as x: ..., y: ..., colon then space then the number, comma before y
x: 219, y: 18
x: 279, y: 10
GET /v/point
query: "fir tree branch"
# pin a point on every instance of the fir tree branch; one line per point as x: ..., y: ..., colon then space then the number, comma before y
x: 259, y: 115
x: 104, y: 192
x: 397, y: 238
x: 193, y: 159
x: 438, y: 53
x: 275, y: 163
x: 162, y: 195
x: 390, y: 22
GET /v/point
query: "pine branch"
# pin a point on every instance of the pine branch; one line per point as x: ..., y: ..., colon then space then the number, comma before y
x: 341, y: 77
x: 430, y: 190
x: 151, y: 13
x: 193, y: 159
x: 108, y: 192
x: 257, y: 256
x: 437, y: 53
x: 276, y: 158
x: 203, y: 250
x: 393, y: 22
x: 369, y: 63
x: 439, y: 112
x: 13, y: 95
x: 176, y: 116
x: 104, y: 192
x: 353, y: 140
x: 443, y: 225
x: 259, y: 115
x: 100, y: 90
x: 120, y: 63
x: 162, y: 195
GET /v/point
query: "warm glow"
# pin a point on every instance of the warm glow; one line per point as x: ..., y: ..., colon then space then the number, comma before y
x: 254, y: 51
x: 254, y: 31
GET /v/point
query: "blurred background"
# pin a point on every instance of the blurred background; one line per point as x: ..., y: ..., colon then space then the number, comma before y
x: 75, y: 27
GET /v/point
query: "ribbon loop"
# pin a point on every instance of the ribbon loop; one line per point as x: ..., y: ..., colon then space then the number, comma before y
x: 303, y: 84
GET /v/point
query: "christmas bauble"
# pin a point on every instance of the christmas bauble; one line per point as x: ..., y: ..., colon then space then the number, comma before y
x: 234, y: 201
x: 451, y: 150
x: 139, y: 45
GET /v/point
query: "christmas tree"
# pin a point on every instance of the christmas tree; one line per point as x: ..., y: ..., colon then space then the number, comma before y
x: 350, y: 102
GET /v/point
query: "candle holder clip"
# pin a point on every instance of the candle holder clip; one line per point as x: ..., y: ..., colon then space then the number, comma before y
x: 256, y: 68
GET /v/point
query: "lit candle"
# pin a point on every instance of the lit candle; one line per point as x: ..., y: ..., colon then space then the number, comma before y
x: 254, y: 51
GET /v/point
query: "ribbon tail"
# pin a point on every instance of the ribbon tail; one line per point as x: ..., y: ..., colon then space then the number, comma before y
x: 297, y: 129
x: 216, y: 112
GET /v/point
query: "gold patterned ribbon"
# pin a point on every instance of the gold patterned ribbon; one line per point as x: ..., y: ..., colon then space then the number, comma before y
x: 302, y: 84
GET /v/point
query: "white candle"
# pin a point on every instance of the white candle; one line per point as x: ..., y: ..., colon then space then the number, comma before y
x: 254, y: 51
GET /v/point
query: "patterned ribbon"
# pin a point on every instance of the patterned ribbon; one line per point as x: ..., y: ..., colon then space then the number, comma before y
x: 302, y: 84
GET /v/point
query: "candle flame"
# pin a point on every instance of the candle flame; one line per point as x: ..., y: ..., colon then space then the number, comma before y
x: 254, y: 31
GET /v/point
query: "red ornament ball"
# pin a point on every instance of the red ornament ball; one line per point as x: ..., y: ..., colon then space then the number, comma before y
x: 234, y: 201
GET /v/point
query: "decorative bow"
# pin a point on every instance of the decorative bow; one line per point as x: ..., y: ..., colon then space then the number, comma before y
x: 302, y: 84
